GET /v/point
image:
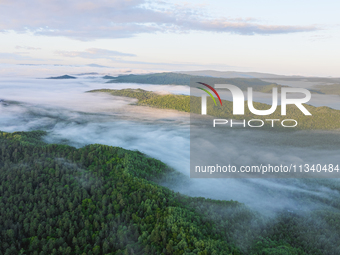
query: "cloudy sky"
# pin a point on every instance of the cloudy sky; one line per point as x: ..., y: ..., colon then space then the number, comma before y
x: 282, y: 37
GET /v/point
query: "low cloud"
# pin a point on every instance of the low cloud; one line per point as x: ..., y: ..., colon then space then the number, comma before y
x: 16, y: 56
x: 26, y: 48
x: 246, y: 27
x: 116, y: 57
x: 89, y: 20
x: 94, y: 53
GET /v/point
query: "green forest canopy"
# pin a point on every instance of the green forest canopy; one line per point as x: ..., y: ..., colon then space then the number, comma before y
x: 56, y: 199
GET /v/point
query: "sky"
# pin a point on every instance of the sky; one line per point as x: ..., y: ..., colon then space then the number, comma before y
x: 280, y: 37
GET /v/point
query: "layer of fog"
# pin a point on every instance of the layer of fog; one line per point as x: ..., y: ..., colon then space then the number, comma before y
x: 73, y: 117
x: 245, y: 147
x: 55, y: 69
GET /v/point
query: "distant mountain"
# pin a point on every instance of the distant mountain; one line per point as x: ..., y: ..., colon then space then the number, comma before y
x: 233, y: 74
x: 184, y: 79
x: 62, y: 77
x: 309, y: 79
x: 95, y: 65
x: 109, y: 77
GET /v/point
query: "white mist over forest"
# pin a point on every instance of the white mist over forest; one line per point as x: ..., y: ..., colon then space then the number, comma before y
x: 71, y: 116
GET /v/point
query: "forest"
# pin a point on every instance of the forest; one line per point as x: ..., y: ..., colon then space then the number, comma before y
x: 332, y: 89
x: 323, y: 118
x: 56, y: 199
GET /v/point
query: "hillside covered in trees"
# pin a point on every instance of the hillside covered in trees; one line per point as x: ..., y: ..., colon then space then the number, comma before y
x: 332, y: 89
x: 323, y: 118
x: 56, y: 199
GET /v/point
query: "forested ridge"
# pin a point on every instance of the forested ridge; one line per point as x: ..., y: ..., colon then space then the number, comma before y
x: 323, y: 118
x: 186, y: 79
x: 258, y: 84
x: 56, y: 199
x: 332, y: 89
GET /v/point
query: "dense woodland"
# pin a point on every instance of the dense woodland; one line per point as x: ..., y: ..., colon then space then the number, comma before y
x: 322, y: 117
x: 56, y: 199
